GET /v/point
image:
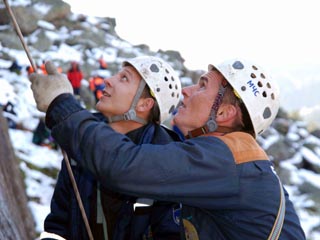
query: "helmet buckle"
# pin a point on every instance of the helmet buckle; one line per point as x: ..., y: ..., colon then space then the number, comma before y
x: 212, y: 125
x: 130, y: 115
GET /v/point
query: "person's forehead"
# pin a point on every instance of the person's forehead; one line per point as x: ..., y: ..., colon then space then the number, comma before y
x: 130, y: 70
x: 211, y: 75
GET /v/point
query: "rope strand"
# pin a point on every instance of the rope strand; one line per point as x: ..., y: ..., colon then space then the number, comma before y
x: 74, y: 184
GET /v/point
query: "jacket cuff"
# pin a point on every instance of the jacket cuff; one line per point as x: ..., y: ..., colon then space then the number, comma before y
x: 61, y: 108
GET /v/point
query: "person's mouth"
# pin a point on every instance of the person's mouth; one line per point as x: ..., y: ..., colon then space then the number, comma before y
x: 181, y: 104
x: 106, y: 94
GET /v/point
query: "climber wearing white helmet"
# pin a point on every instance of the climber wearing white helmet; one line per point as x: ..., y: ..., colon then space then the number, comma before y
x: 222, y: 179
x: 135, y: 100
x: 253, y: 91
x: 163, y: 85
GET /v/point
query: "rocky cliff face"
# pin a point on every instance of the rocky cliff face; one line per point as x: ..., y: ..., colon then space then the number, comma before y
x: 41, y: 20
x: 16, y: 221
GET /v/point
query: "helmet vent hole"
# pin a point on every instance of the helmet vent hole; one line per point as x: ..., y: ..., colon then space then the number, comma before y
x: 254, y: 67
x: 178, y: 95
x: 267, y: 113
x: 171, y: 109
x: 262, y: 76
x: 158, y: 89
x: 170, y: 86
x: 166, y: 79
x: 253, y: 75
x: 172, y: 78
x: 268, y: 85
x: 172, y: 94
x: 272, y: 96
x: 243, y: 88
x: 167, y: 71
x: 154, y: 68
x: 260, y: 84
x: 176, y: 87
x: 237, y: 65
x: 264, y: 94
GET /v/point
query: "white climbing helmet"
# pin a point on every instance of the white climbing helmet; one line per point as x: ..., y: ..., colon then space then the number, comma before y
x: 162, y: 80
x: 259, y: 93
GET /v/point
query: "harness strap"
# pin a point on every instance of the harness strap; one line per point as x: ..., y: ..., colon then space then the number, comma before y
x: 278, y: 223
x: 100, y: 215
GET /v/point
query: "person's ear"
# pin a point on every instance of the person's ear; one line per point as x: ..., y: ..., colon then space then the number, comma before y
x: 226, y: 112
x: 145, y: 104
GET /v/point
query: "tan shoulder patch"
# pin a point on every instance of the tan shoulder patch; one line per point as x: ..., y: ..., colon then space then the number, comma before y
x: 243, y: 147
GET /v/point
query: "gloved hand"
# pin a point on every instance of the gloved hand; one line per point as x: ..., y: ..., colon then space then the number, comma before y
x: 47, y: 87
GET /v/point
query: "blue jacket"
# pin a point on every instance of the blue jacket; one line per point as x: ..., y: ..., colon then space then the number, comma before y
x: 123, y: 223
x: 226, y: 184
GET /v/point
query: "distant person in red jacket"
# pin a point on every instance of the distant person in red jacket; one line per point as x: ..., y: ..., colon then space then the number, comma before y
x: 102, y: 63
x: 75, y: 76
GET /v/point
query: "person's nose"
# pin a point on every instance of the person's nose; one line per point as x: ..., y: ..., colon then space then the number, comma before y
x: 187, y: 91
x: 108, y: 82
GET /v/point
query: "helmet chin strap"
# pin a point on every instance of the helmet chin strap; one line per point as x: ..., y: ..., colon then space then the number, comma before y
x: 211, y: 125
x: 131, y: 114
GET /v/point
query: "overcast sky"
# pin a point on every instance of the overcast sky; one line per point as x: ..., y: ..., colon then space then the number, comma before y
x: 276, y: 32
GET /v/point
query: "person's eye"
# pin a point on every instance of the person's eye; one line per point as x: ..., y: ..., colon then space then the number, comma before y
x: 124, y: 79
x: 202, y: 85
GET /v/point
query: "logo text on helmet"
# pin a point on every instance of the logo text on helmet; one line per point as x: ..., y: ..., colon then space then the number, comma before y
x: 253, y: 87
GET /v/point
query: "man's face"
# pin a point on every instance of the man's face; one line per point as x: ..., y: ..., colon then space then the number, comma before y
x: 119, y: 92
x: 197, y: 102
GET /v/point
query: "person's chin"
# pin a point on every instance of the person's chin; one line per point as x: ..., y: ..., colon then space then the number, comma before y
x: 179, y: 115
x: 177, y: 121
x: 98, y: 105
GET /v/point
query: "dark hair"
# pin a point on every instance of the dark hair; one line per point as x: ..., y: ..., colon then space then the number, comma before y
x: 154, y: 115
